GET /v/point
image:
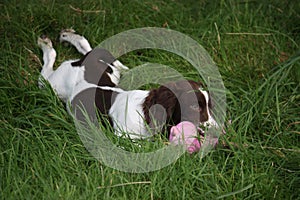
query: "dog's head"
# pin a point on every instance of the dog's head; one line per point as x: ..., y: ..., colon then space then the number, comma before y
x: 191, y: 101
x: 182, y: 101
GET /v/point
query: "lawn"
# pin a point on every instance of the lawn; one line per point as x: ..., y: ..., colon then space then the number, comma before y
x: 255, y: 45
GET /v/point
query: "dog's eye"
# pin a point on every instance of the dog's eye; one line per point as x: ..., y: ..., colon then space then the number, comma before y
x: 195, y: 107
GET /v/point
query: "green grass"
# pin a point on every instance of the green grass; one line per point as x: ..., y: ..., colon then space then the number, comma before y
x: 256, y: 47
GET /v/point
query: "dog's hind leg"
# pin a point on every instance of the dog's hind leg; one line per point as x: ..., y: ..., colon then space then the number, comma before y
x: 80, y: 42
x: 49, y: 55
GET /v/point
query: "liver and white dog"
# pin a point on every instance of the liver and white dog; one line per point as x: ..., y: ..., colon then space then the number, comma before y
x: 136, y: 112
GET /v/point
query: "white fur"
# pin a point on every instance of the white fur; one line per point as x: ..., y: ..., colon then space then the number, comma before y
x: 211, y: 121
x: 127, y: 114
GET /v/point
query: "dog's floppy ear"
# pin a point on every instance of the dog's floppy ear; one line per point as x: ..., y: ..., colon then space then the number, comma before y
x: 177, y: 86
x: 159, y: 106
x: 183, y: 86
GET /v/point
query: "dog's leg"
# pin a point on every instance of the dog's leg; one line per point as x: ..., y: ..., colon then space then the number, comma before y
x: 49, y: 55
x: 83, y: 46
x: 80, y: 42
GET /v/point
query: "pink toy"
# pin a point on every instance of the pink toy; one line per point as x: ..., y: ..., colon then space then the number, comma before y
x: 185, y: 133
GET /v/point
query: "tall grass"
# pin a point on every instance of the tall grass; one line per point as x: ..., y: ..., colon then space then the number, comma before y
x: 256, y: 46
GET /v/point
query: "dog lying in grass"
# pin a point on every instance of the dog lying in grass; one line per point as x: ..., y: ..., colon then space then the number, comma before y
x: 135, y: 112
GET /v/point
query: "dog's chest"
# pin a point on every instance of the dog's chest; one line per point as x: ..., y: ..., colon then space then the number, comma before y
x: 127, y: 113
x: 69, y: 77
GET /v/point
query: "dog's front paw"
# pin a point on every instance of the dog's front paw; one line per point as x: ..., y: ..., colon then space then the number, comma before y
x: 65, y: 34
x: 119, y: 65
x: 44, y: 42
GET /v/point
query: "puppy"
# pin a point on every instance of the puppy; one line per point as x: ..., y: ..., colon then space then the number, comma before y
x: 93, y: 80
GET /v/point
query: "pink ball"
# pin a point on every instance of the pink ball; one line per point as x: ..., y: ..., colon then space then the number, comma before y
x: 185, y: 133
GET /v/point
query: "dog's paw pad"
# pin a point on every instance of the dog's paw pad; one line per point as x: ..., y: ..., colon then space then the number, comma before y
x: 44, y: 41
x: 65, y: 33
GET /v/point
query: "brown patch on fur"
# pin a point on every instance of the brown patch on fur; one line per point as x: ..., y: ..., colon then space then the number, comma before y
x: 103, y: 100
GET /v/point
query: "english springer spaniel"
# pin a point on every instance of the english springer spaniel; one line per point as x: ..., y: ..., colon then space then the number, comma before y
x: 138, y: 113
